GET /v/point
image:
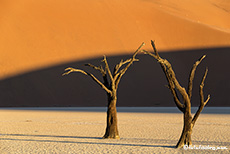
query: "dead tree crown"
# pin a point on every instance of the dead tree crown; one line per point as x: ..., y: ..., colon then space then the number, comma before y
x: 110, y: 86
x: 114, y: 77
x: 185, y: 105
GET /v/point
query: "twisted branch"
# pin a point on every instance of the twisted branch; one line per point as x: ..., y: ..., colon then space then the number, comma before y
x: 118, y: 66
x: 202, y: 102
x: 170, y: 76
x: 107, y: 68
x: 192, y: 74
x: 99, y: 68
x: 103, y: 72
x: 70, y: 70
x: 117, y: 76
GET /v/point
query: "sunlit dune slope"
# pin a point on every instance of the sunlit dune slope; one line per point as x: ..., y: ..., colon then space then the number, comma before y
x: 36, y: 34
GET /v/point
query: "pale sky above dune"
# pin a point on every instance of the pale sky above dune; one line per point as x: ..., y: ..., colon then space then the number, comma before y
x: 37, y: 34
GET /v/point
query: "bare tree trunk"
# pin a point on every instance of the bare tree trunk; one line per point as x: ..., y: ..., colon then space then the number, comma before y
x: 109, y: 87
x: 184, y: 106
x: 111, y: 128
x: 185, y: 138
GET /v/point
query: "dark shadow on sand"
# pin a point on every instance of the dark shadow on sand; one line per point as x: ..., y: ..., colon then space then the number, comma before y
x: 142, y: 86
x: 114, y: 144
x: 55, y: 136
x: 77, y: 142
x: 175, y: 141
x: 138, y: 141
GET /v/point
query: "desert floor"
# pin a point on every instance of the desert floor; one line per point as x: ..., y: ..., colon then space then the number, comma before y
x: 66, y: 131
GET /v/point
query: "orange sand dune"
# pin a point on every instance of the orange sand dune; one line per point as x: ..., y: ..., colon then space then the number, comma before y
x: 36, y: 34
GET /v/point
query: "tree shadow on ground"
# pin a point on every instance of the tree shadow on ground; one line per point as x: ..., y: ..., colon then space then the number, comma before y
x: 55, y: 136
x: 175, y: 141
x: 138, y: 141
x: 99, y: 142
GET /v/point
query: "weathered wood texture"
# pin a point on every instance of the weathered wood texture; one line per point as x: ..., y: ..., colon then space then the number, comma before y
x: 110, y: 84
x: 185, y: 105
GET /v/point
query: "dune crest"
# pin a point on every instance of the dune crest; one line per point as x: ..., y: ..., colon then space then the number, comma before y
x: 213, y: 13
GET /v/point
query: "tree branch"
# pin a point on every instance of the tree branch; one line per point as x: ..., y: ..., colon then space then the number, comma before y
x: 70, y: 70
x: 170, y: 76
x: 118, y: 66
x: 175, y: 84
x: 179, y: 105
x: 202, y: 102
x: 99, y: 68
x: 103, y: 72
x: 118, y: 76
x: 192, y: 74
x: 107, y: 68
x: 201, y: 89
x: 154, y: 49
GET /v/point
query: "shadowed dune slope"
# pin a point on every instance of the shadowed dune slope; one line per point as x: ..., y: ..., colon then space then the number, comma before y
x: 39, y: 39
x: 37, y: 34
x: 142, y: 85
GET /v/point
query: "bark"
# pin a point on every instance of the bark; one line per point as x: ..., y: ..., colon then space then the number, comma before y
x: 184, y: 107
x: 111, y: 128
x: 110, y: 85
x: 186, y: 134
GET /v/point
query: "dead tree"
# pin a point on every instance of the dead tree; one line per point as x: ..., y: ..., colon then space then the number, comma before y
x: 110, y: 86
x: 185, y: 105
